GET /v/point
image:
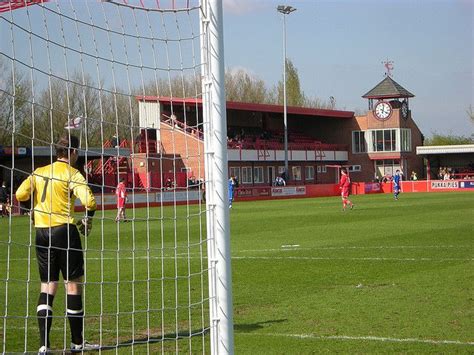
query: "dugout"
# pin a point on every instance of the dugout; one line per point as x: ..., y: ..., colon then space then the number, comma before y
x: 459, y: 159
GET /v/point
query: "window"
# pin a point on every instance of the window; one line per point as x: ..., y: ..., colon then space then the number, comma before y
x: 281, y: 170
x: 246, y: 175
x: 354, y: 168
x: 319, y: 168
x: 384, y: 140
x: 271, y: 174
x: 258, y: 174
x: 296, y: 172
x: 386, y: 167
x: 359, y: 144
x: 309, y: 172
x: 235, y: 171
x: 324, y: 169
x: 405, y: 140
x: 389, y: 140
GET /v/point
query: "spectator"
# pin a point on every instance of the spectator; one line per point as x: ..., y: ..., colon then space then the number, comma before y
x: 114, y: 141
x: 279, y: 181
x: 413, y: 176
x: 192, y: 182
x: 4, y: 200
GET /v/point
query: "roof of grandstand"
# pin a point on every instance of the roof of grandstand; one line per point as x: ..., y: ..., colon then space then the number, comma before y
x: 245, y: 106
x: 445, y: 149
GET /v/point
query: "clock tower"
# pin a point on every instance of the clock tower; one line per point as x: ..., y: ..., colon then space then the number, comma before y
x: 389, y: 100
x: 384, y: 139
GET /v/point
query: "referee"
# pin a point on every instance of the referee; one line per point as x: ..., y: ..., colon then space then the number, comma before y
x: 53, y: 190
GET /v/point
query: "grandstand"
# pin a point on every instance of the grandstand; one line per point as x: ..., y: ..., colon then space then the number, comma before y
x: 255, y: 138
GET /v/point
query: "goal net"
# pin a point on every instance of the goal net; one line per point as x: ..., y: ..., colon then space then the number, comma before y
x: 140, y: 83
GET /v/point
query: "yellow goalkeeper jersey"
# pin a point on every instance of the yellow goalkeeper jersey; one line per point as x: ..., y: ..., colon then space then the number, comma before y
x: 54, y: 189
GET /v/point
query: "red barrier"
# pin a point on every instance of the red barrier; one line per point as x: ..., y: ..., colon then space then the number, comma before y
x: 358, y: 188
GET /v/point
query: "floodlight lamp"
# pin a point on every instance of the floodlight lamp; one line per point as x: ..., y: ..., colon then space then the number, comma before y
x: 285, y: 9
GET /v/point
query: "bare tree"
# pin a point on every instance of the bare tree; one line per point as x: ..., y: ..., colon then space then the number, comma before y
x: 62, y: 100
x: 242, y: 87
x: 15, y: 92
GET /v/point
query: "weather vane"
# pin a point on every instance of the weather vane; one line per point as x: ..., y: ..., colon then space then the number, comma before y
x: 388, y: 64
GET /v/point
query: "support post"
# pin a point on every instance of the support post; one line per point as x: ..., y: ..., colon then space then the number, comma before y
x: 216, y: 171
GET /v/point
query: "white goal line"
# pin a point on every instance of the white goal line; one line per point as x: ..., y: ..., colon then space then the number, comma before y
x: 347, y: 258
x: 250, y: 257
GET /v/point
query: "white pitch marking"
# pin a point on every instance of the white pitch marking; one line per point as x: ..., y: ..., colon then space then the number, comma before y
x: 266, y: 258
x: 372, y: 338
x: 354, y: 259
x: 355, y: 248
x: 290, y: 246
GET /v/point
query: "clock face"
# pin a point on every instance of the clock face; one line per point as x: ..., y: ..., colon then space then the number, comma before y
x: 383, y: 110
x: 404, y: 109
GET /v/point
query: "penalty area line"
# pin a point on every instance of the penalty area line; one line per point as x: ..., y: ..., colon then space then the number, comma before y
x: 363, y: 338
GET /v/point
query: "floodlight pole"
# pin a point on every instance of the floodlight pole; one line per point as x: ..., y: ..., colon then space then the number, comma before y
x: 285, y: 10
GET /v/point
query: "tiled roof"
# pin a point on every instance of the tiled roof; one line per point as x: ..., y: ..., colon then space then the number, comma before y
x: 388, y: 88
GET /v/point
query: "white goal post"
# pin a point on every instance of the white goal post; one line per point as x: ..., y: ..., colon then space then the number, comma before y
x: 141, y: 84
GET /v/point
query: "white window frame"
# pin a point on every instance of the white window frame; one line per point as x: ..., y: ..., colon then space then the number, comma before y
x: 324, y: 169
x: 246, y: 175
x: 355, y: 168
x: 309, y: 172
x: 271, y: 176
x: 296, y: 172
x: 258, y: 174
x: 405, y: 140
x: 394, y: 140
x: 360, y: 135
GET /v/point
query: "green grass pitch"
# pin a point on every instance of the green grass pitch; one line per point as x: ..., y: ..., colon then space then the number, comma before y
x: 388, y: 276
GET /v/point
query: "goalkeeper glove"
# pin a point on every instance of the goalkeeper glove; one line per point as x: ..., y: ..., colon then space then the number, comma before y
x: 84, y: 225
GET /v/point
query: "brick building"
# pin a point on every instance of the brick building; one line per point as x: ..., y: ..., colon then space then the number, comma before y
x: 171, y: 145
x: 372, y: 146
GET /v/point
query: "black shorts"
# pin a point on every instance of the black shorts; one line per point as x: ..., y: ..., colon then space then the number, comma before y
x: 56, y: 252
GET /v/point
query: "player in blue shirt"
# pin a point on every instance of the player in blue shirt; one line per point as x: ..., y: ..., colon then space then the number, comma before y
x: 397, y: 180
x: 231, y: 190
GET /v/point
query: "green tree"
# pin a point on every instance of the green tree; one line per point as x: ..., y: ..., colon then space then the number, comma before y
x: 294, y: 94
x: 440, y: 139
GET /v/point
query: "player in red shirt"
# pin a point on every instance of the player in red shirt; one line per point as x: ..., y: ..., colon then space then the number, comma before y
x: 345, y: 186
x: 121, y: 192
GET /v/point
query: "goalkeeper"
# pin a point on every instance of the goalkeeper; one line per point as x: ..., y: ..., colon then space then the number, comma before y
x: 53, y: 190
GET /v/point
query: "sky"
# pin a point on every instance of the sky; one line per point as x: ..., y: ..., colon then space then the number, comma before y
x: 338, y: 47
